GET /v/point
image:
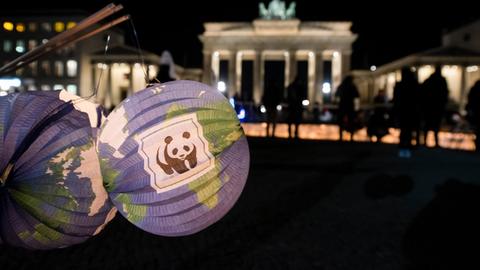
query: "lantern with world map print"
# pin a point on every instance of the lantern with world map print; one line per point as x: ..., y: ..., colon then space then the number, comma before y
x: 51, y: 191
x: 174, y: 157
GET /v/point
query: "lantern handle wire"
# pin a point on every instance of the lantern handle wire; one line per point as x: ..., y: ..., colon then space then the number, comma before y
x: 140, y: 53
x: 95, y: 91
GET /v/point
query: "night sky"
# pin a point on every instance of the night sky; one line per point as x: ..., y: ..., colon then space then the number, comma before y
x: 387, y: 30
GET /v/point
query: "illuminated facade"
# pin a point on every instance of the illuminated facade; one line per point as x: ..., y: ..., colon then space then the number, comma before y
x: 458, y: 57
x: 243, y: 57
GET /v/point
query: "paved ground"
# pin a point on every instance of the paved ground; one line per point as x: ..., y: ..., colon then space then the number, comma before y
x: 312, y: 205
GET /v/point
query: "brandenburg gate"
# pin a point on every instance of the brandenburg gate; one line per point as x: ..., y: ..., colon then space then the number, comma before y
x: 242, y: 56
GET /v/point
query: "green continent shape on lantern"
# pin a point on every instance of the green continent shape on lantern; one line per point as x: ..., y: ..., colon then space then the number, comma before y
x: 135, y: 213
x: 220, y: 125
x: 42, y: 234
x: 206, y: 187
x: 51, y: 191
x: 109, y: 174
x: 221, y: 128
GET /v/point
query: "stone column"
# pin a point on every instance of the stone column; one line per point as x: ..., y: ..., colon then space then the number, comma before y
x: 94, y: 80
x: 258, y: 67
x: 463, y: 89
x: 232, y: 73
x: 130, y: 78
x: 346, y: 58
x: 238, y: 72
x: 317, y: 95
x: 207, y: 67
x: 147, y: 79
x: 109, y: 101
x: 336, y: 71
x: 292, y: 68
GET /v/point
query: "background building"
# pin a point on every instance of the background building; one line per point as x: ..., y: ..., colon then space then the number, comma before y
x: 247, y: 57
x: 79, y: 68
x: 458, y: 57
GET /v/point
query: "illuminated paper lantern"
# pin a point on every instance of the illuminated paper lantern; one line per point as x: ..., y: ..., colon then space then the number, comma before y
x: 51, y: 189
x: 174, y: 157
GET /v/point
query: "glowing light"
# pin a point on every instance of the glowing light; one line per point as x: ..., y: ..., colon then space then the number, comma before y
x: 279, y: 108
x: 59, y: 27
x: 373, y: 68
x: 311, y: 54
x: 72, y: 67
x: 32, y: 27
x: 20, y: 48
x: 305, y: 102
x: 102, y: 66
x: 71, y: 25
x: 20, y: 27
x: 336, y: 54
x: 242, y: 114
x: 7, y: 83
x: 326, y: 88
x: 58, y: 87
x: 72, y: 88
x: 472, y: 69
x: 263, y: 109
x: 44, y: 40
x: 221, y: 86
x: 232, y: 102
x: 8, y: 26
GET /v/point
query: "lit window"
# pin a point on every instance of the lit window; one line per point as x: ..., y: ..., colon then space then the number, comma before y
x: 33, y: 68
x: 32, y: 44
x: 59, y: 26
x: 20, y: 27
x: 19, y: 72
x: 72, y: 88
x: 58, y: 87
x: 72, y: 66
x: 58, y: 68
x: 8, y: 26
x: 20, y: 48
x: 45, y: 68
x: 7, y: 46
x: 32, y: 27
x: 47, y: 27
x: 71, y: 25
x: 45, y: 87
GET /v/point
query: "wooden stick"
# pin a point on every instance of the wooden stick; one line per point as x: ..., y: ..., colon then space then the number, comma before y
x: 68, y: 42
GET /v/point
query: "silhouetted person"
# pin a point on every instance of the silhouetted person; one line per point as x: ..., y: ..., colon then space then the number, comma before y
x: 295, y: 106
x: 435, y: 97
x: 347, y: 92
x: 378, y: 122
x: 473, y: 112
x: 405, y: 100
x: 271, y: 99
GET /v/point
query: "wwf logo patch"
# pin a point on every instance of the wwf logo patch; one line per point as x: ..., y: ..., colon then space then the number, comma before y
x: 175, y: 152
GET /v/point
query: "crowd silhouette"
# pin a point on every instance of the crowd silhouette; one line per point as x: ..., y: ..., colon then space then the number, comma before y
x: 416, y: 109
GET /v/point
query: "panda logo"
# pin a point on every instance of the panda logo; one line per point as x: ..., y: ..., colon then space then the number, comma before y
x: 177, y: 154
